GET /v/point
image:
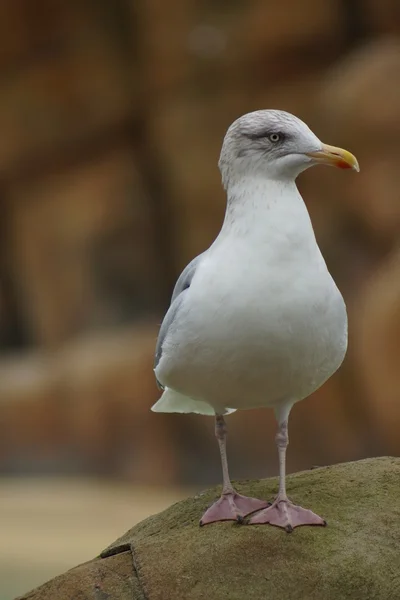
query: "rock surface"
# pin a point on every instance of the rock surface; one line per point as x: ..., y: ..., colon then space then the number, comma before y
x: 168, y: 556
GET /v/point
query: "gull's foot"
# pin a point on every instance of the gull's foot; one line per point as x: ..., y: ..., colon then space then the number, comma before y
x: 285, y: 514
x: 232, y: 507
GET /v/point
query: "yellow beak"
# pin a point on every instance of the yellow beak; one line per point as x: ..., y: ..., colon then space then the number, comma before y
x: 335, y: 157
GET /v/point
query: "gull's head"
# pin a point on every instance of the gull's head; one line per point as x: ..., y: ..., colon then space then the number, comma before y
x: 276, y: 145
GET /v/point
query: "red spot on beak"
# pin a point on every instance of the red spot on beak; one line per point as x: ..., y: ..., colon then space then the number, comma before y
x: 343, y: 165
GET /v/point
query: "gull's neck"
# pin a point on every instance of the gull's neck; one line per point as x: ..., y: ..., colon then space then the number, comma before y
x: 259, y: 204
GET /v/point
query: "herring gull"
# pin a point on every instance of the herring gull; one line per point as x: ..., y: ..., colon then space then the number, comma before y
x: 256, y: 320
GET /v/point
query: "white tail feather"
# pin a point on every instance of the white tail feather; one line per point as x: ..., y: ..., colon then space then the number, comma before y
x: 174, y: 402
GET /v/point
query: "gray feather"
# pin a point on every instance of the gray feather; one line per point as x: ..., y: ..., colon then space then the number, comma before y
x: 185, y: 278
x: 181, y: 286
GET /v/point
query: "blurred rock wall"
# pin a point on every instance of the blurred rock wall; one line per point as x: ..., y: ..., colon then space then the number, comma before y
x: 111, y: 117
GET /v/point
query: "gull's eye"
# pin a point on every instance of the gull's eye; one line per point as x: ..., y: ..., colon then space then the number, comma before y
x: 274, y: 137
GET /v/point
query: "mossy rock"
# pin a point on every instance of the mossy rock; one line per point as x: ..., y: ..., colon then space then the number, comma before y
x: 169, y: 557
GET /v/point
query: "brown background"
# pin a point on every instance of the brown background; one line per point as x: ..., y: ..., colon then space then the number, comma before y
x: 112, y: 115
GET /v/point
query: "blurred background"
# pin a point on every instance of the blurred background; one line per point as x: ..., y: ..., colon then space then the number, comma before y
x: 112, y: 114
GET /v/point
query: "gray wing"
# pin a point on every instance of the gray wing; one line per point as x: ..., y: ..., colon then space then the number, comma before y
x: 180, y: 289
x: 185, y: 278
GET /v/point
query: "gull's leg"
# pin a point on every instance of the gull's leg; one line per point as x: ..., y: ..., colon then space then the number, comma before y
x: 283, y: 513
x: 231, y: 506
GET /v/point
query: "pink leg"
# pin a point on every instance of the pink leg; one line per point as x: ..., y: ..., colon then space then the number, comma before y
x: 283, y: 513
x: 231, y: 506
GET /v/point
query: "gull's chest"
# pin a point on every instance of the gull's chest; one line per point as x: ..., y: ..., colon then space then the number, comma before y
x: 252, y: 298
x: 268, y: 330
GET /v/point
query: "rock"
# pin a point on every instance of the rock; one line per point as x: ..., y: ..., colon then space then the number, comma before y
x: 86, y: 407
x: 109, y: 385
x: 32, y: 424
x: 376, y: 332
x: 383, y: 16
x: 63, y: 78
x: 359, y: 102
x: 361, y: 96
x: 119, y: 581
x: 82, y: 247
x: 356, y: 557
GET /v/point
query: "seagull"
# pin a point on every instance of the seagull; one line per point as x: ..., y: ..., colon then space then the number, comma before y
x: 256, y: 320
